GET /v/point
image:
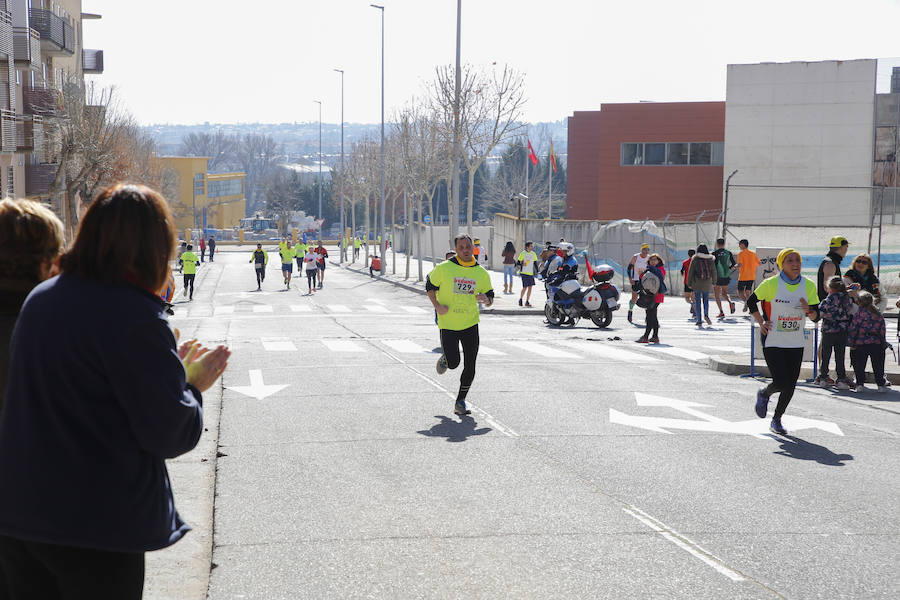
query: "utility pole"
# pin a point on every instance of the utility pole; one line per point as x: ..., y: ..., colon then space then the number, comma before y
x: 454, y: 209
x: 319, y: 182
x: 342, y: 253
x: 380, y: 228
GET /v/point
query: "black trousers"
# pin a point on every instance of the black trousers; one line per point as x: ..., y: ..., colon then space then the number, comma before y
x: 311, y: 278
x: 863, y: 353
x: 189, y: 283
x: 37, y: 571
x: 212, y: 250
x: 202, y: 254
x: 784, y: 365
x: 451, y: 340
x: 260, y: 276
x: 836, y: 342
x: 652, y: 321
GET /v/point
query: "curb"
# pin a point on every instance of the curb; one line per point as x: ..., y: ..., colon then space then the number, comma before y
x: 731, y: 367
x: 419, y: 290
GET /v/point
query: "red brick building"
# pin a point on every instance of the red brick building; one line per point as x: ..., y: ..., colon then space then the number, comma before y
x: 650, y: 159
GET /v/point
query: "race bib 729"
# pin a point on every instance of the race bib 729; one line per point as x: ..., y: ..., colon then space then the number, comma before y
x: 464, y: 285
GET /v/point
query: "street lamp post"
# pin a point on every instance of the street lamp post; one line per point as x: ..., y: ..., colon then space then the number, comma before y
x: 725, y: 208
x: 454, y: 225
x: 343, y: 249
x: 381, y: 229
x: 319, y: 214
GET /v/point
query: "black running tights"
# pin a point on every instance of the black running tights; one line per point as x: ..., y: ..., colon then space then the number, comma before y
x: 784, y: 365
x: 311, y: 278
x: 450, y: 343
x: 260, y: 276
x: 189, y: 282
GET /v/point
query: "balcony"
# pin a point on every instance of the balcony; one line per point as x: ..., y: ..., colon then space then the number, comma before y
x: 38, y: 178
x: 92, y: 61
x: 30, y: 134
x: 8, y: 131
x: 46, y: 102
x: 6, y: 31
x: 57, y: 35
x: 27, y: 47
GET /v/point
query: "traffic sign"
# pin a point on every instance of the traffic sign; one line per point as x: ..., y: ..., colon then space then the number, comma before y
x: 427, y: 218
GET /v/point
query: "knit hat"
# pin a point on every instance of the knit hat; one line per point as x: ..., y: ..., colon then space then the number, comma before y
x: 779, y: 260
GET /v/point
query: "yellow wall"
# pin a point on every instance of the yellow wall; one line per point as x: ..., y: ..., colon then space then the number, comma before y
x: 223, y: 212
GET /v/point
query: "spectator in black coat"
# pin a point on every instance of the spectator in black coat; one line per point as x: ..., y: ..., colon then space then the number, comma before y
x: 98, y: 396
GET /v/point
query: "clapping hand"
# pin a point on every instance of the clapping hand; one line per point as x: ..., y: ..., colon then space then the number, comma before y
x: 202, y: 365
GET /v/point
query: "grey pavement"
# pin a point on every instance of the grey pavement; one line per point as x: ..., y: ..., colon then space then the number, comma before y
x: 591, y: 467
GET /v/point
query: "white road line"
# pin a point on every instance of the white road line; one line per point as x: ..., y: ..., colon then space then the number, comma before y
x: 679, y: 352
x: 376, y: 308
x: 263, y: 308
x: 278, y: 345
x: 414, y: 310
x: 224, y: 310
x: 684, y: 543
x: 489, y: 351
x: 337, y: 308
x: 541, y: 349
x: 406, y: 347
x: 301, y: 308
x: 342, y: 346
x: 610, y: 352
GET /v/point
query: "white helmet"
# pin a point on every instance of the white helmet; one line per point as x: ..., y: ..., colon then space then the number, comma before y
x: 568, y: 248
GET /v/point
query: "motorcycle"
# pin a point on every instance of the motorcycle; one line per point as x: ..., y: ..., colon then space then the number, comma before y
x: 567, y: 302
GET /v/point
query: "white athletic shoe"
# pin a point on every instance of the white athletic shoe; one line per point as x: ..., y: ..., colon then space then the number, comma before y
x: 185, y: 292
x: 859, y: 388
x: 883, y: 389
x: 441, y: 366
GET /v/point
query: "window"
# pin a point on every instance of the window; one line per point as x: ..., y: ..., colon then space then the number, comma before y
x: 677, y: 154
x: 700, y: 153
x: 228, y: 187
x: 198, y: 184
x: 10, y: 182
x: 654, y: 154
x: 632, y: 154
x: 717, y: 156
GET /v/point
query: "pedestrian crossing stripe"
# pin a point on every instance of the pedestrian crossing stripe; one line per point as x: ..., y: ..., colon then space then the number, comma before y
x: 337, y: 308
x: 414, y: 310
x: 376, y: 308
x: 301, y: 308
x: 541, y: 349
x: 278, y: 345
x: 406, y: 347
x: 679, y: 352
x: 610, y: 352
x: 263, y: 308
x: 342, y: 346
x: 224, y: 310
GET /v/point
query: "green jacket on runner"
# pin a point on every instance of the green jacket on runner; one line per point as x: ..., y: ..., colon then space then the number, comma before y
x: 457, y: 287
x: 190, y: 261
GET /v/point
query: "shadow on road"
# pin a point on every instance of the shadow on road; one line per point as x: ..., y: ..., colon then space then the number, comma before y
x: 454, y: 431
x: 798, y: 448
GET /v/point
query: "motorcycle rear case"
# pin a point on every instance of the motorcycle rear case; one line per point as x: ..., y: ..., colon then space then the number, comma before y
x: 603, y: 273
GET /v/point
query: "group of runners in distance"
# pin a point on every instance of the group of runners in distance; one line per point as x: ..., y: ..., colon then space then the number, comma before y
x: 309, y: 258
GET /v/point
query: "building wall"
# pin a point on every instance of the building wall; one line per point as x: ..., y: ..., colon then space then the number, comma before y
x: 800, y: 124
x: 222, y: 212
x: 599, y: 187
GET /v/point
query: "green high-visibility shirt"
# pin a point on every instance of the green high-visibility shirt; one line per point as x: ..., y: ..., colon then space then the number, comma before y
x: 457, y: 287
x: 528, y: 260
x: 357, y: 243
x: 287, y: 255
x: 190, y: 260
x: 260, y: 257
x: 301, y: 249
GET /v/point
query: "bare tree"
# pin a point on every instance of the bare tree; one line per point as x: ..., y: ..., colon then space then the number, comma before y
x: 218, y: 146
x: 257, y: 155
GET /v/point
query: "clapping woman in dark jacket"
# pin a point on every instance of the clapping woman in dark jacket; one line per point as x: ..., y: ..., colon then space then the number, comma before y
x: 99, y: 395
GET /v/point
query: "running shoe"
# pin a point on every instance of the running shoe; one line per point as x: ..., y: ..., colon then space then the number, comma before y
x: 654, y: 340
x: 721, y: 315
x: 185, y: 292
x: 883, y: 389
x: 824, y: 382
x: 731, y: 304
x: 629, y: 317
x: 859, y: 388
x: 762, y: 404
x: 460, y: 408
x: 641, y: 340
x: 520, y: 302
x: 746, y: 308
x: 776, y: 427
x: 441, y: 366
x: 842, y: 384
x: 528, y: 305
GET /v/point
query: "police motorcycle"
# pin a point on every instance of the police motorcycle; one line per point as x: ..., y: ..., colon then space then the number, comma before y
x: 567, y: 302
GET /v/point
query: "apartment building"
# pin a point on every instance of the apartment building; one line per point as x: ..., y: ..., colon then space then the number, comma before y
x: 204, y: 200
x: 41, y: 46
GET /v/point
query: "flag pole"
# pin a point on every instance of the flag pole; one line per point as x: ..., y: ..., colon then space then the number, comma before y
x: 527, y: 160
x: 550, y: 168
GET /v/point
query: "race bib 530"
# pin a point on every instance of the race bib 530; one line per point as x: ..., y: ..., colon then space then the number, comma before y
x: 789, y: 324
x: 464, y: 285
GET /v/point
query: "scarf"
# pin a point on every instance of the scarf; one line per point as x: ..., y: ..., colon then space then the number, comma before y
x: 787, y: 279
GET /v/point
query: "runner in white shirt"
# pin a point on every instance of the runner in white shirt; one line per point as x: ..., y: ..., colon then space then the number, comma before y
x: 310, y: 263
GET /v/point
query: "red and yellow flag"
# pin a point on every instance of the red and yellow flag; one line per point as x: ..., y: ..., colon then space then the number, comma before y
x: 552, y: 157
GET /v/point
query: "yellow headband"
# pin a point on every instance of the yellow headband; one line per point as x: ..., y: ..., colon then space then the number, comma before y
x: 779, y: 260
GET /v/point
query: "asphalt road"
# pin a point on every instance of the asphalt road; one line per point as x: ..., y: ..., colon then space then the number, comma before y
x: 590, y: 467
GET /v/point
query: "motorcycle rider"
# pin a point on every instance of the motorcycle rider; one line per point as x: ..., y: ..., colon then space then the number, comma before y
x: 563, y: 266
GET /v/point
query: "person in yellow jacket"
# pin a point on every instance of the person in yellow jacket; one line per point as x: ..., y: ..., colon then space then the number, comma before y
x: 300, y: 250
x: 189, y: 262
x: 287, y: 263
x: 261, y: 258
x: 455, y: 288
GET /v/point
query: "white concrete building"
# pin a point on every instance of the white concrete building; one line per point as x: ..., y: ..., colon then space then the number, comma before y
x: 801, y: 136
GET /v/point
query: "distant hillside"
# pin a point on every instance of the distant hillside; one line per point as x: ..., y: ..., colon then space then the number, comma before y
x: 303, y: 138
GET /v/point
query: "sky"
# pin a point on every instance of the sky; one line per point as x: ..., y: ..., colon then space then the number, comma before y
x: 229, y: 61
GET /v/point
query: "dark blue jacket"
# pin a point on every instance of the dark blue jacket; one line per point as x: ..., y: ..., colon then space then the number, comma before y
x: 96, y: 400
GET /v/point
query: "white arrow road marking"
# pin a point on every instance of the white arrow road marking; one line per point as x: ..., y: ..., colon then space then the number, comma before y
x: 257, y: 389
x: 758, y: 428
